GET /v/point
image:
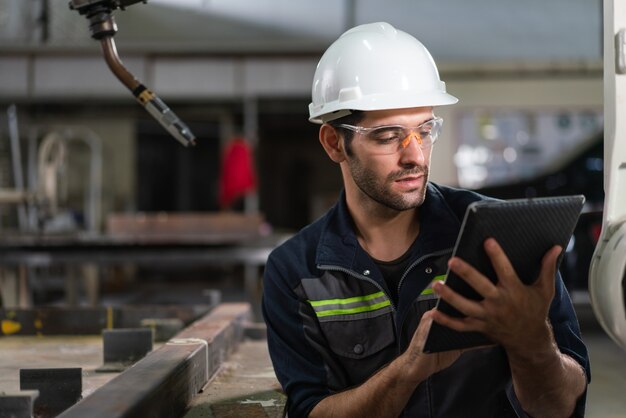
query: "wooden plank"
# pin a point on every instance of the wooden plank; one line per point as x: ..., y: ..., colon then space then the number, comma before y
x: 175, y: 226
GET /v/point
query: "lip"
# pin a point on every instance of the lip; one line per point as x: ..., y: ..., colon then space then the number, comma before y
x: 410, y: 182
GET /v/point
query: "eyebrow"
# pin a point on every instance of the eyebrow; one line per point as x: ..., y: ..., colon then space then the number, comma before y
x: 392, y: 125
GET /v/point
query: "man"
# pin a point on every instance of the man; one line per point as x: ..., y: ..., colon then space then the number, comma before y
x: 348, y: 300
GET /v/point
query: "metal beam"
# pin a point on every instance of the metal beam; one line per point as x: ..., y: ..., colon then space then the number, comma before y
x: 162, y: 383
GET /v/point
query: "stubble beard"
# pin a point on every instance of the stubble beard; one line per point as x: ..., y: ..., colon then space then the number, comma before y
x: 380, y: 192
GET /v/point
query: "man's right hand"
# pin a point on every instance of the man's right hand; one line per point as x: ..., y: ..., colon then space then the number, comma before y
x: 386, y: 393
x: 421, y: 364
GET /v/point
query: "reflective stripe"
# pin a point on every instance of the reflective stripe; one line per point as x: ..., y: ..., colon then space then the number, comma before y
x: 347, y: 306
x: 429, y: 290
x: 346, y: 301
x: 354, y: 310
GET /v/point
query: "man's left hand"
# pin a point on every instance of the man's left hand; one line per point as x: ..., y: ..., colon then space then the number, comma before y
x: 511, y: 313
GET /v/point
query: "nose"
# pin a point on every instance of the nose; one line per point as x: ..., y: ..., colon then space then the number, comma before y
x: 412, y: 152
x: 412, y: 135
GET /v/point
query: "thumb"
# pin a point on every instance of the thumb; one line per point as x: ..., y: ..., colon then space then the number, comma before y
x: 422, y: 330
x: 548, y: 269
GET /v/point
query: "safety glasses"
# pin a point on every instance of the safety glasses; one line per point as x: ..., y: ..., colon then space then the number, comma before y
x: 389, y: 139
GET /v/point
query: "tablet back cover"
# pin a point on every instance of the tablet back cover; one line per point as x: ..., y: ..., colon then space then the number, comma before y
x: 526, y: 229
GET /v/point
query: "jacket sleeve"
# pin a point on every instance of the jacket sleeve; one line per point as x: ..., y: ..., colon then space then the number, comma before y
x: 298, y: 366
x: 567, y: 336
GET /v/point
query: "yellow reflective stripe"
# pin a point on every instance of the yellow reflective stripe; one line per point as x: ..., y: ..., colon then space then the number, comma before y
x: 345, y: 301
x: 360, y: 309
x: 352, y: 305
x: 429, y: 290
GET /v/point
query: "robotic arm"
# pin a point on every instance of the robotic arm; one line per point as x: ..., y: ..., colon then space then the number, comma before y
x: 607, y: 275
x: 103, y: 28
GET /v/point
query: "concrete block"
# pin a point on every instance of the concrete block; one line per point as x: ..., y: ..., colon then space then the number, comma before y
x: 123, y: 347
x: 18, y: 405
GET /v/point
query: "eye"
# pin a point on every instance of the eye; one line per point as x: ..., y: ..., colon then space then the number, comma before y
x: 426, y: 126
x: 425, y: 131
x: 387, y: 135
x: 428, y: 130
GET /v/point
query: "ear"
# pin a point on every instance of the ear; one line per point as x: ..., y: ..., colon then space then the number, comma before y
x: 332, y: 143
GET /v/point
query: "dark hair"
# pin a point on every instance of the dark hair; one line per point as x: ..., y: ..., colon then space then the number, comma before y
x: 352, y: 119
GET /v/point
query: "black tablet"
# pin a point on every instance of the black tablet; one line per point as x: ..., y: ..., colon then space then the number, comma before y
x: 525, y: 229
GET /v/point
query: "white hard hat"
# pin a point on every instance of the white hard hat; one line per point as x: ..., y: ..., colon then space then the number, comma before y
x: 375, y: 67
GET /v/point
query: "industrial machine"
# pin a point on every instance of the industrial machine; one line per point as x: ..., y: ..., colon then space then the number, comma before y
x: 607, y: 275
x: 42, y: 200
x: 103, y: 27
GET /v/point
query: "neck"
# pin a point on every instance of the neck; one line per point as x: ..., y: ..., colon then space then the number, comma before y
x: 385, y: 234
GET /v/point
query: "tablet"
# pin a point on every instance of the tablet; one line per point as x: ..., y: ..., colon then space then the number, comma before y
x: 525, y: 229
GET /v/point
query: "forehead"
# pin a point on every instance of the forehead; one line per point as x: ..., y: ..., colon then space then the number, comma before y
x: 408, y: 117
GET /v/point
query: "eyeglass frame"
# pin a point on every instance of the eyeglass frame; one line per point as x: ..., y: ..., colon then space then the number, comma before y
x: 404, y: 142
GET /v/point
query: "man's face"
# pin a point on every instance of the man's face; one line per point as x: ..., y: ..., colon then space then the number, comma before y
x: 396, y: 181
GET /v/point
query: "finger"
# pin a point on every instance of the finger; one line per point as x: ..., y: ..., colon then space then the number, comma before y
x: 473, y: 277
x: 501, y: 263
x: 466, y: 306
x: 422, y: 330
x: 548, y: 269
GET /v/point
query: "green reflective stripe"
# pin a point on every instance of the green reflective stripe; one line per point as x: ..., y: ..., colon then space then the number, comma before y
x: 346, y: 301
x: 359, y: 309
x: 429, y: 290
x: 352, y: 305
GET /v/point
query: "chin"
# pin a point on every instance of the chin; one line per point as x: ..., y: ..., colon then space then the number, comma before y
x: 404, y: 202
x: 416, y: 197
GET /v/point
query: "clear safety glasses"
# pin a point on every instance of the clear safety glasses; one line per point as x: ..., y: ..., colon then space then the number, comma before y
x: 389, y: 139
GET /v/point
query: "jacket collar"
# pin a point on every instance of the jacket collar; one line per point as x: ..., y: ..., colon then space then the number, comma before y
x: 338, y: 245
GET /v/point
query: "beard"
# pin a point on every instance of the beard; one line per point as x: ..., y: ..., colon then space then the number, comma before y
x: 381, y: 192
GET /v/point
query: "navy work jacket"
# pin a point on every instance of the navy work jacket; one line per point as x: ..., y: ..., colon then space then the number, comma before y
x: 331, y: 323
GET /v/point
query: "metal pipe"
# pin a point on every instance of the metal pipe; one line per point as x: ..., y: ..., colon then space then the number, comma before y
x: 93, y: 197
x: 14, y: 196
x: 115, y: 64
x: 103, y: 28
x: 16, y: 156
x: 150, y: 101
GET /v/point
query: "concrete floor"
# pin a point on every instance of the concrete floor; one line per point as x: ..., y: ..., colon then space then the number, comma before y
x: 606, y: 396
x: 23, y: 352
x: 246, y: 386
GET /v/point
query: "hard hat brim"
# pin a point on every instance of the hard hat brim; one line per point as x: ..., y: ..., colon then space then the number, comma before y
x: 334, y: 110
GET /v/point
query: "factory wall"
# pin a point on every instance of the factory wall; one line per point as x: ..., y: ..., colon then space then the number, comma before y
x: 296, y: 180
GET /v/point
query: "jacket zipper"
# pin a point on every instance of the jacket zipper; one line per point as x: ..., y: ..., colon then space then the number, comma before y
x: 415, y: 263
x: 419, y: 260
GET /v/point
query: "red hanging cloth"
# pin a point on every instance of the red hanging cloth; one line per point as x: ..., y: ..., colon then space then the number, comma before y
x: 237, y: 177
